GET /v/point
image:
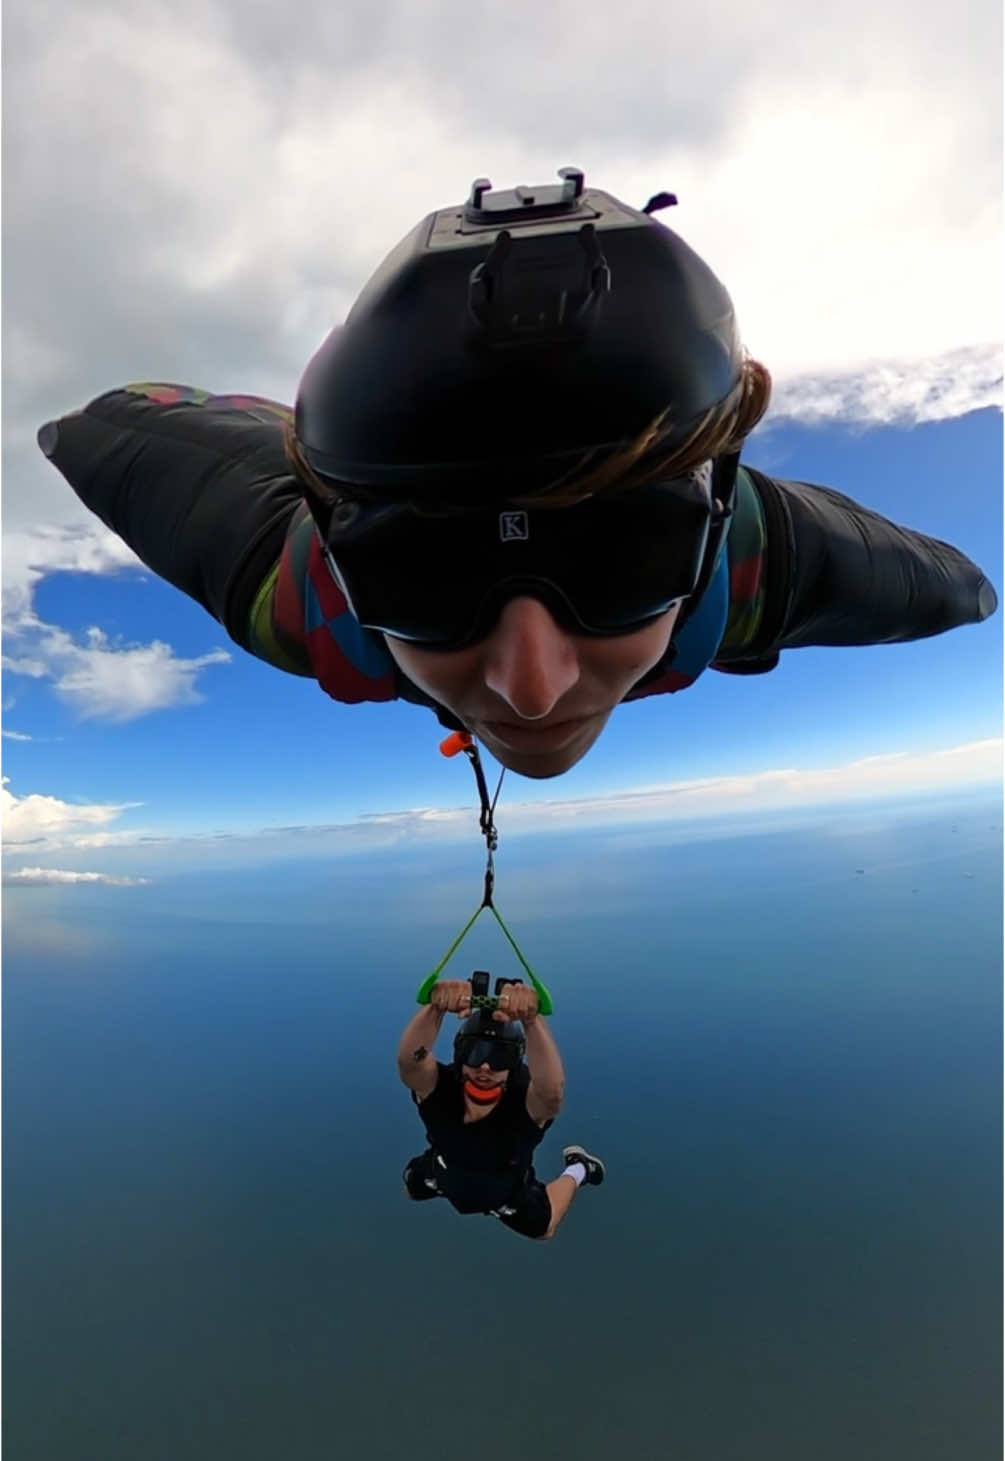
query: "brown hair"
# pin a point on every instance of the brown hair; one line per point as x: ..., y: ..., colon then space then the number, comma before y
x: 654, y: 453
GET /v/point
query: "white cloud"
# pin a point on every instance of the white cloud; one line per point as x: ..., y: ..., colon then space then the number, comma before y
x: 845, y: 180
x: 121, y: 684
x: 94, y: 840
x: 859, y: 241
x: 974, y: 764
x: 37, y: 819
x: 895, y: 392
x: 102, y: 681
x: 31, y: 553
x: 38, y: 877
x: 47, y: 823
x: 12, y: 735
x: 977, y: 763
x: 32, y: 668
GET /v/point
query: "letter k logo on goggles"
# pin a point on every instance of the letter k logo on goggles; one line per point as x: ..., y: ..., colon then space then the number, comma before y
x: 440, y: 577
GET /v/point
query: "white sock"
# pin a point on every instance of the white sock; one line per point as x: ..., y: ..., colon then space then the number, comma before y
x: 577, y: 1172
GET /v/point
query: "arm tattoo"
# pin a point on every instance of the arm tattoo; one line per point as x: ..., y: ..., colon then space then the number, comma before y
x: 419, y: 1054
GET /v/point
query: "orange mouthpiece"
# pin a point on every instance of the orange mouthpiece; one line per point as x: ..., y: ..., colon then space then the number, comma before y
x: 455, y: 742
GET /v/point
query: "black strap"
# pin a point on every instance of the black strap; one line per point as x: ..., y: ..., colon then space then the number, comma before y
x: 486, y: 818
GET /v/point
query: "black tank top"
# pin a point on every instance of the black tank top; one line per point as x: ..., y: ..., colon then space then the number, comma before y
x: 487, y: 1160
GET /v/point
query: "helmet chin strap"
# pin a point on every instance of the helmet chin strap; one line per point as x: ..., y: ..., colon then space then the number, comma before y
x: 482, y: 1095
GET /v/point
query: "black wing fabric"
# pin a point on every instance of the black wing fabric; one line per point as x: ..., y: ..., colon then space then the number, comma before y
x: 204, y: 497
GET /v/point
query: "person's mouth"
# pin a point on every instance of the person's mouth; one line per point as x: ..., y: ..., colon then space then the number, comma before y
x: 536, y: 736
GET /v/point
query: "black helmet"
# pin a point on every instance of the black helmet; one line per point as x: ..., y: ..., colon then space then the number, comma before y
x: 506, y: 338
x: 481, y: 1039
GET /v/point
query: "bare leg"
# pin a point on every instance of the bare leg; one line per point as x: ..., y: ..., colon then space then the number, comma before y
x: 560, y: 1195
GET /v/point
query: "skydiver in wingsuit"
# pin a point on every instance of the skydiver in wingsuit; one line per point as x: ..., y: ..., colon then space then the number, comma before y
x: 510, y: 488
x: 487, y: 1111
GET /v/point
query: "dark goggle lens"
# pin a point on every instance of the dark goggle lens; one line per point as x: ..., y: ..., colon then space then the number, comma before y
x: 496, y: 1054
x: 603, y: 567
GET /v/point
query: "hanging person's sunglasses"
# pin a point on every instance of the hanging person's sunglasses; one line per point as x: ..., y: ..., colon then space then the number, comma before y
x: 477, y: 1050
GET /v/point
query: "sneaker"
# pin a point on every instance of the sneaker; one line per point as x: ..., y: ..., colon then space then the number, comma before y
x: 418, y: 1187
x: 594, y: 1166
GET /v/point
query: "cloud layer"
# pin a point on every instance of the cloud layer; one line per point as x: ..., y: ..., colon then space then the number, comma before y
x: 45, y: 824
x: 896, y: 392
x: 198, y: 195
x: 201, y: 198
x: 42, y: 877
x: 38, y: 820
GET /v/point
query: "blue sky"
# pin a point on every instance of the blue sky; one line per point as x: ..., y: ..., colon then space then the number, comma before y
x: 861, y: 247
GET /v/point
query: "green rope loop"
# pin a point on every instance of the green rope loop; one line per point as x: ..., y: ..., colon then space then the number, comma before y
x: 545, y: 1004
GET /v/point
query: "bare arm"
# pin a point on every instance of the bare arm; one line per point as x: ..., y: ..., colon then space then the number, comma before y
x: 547, y: 1077
x: 416, y: 1061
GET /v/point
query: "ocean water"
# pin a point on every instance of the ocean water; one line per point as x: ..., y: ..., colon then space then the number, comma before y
x: 783, y: 1038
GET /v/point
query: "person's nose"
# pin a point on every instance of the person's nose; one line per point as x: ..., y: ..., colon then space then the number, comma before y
x: 530, y: 661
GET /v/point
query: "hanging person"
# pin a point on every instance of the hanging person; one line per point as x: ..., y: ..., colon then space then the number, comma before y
x: 510, y: 488
x: 486, y: 1112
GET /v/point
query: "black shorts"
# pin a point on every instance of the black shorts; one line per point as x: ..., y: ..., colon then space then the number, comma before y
x: 527, y: 1212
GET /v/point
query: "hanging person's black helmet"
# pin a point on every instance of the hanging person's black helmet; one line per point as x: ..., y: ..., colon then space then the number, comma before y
x: 506, y: 338
x: 483, y: 1040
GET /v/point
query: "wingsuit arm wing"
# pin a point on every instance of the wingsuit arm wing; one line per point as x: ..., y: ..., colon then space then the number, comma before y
x: 840, y: 574
x: 204, y: 497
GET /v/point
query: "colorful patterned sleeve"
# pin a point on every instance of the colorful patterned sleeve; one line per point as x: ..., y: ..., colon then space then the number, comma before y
x: 747, y: 543
x: 301, y: 621
x: 199, y: 487
x: 275, y: 622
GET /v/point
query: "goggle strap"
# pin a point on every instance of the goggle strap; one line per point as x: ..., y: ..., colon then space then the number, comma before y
x: 724, y: 490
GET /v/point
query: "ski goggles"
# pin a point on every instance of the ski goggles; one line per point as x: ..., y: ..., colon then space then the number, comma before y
x: 606, y: 566
x: 477, y: 1050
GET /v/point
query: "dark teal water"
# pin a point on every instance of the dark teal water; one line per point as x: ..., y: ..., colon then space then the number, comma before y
x: 792, y: 1069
